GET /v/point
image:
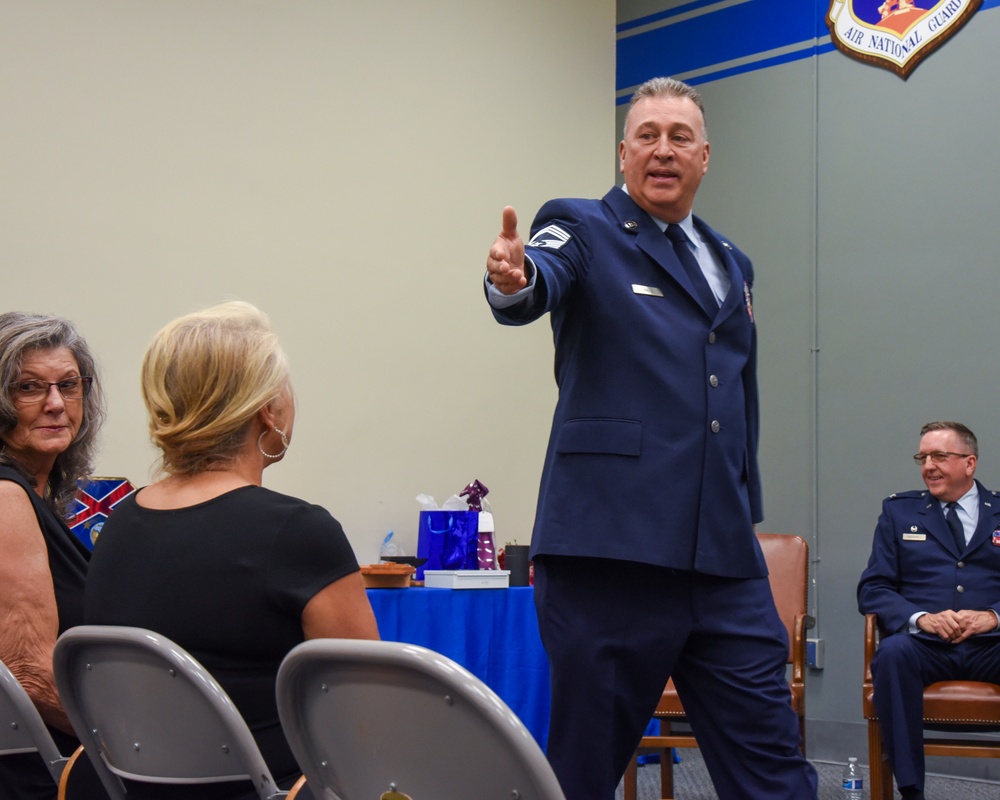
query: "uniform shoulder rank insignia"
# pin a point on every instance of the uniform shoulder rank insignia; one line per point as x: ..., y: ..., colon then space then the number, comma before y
x: 551, y: 236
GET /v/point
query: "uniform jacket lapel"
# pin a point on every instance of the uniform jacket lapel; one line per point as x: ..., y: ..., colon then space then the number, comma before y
x: 936, y: 525
x: 723, y: 251
x: 651, y: 240
x: 989, y: 520
x: 989, y: 517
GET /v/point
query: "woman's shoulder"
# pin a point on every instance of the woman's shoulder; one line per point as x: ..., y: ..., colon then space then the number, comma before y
x: 20, y: 513
x: 9, y: 475
x: 289, y: 504
x: 250, y: 504
x: 17, y: 492
x: 14, y: 489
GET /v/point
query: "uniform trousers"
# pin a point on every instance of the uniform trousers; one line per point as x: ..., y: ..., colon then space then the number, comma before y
x: 614, y: 631
x: 902, y: 666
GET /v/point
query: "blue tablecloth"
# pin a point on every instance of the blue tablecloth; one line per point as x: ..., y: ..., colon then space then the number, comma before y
x: 493, y: 633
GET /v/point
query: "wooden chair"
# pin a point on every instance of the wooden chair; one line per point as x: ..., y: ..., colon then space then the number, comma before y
x: 787, y: 559
x: 955, y: 706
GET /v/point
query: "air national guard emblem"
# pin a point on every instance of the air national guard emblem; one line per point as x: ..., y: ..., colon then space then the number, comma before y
x: 896, y: 34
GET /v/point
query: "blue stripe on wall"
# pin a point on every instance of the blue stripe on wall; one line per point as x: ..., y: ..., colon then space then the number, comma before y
x: 664, y: 15
x: 705, y: 40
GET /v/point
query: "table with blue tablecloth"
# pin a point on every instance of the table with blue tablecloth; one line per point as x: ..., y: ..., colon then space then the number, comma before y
x: 493, y: 633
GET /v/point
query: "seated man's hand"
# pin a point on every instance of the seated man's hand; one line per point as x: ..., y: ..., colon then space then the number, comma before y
x: 976, y: 622
x: 957, y: 626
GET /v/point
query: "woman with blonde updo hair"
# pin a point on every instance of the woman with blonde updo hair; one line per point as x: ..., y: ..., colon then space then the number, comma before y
x: 204, y: 379
x: 234, y: 573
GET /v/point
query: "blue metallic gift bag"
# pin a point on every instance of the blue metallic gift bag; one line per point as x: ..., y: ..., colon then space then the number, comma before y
x: 448, y: 540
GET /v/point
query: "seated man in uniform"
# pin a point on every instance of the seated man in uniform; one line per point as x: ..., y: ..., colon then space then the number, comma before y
x: 933, y: 580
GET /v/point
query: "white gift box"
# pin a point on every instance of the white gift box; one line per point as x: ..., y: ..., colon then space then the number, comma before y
x: 466, y: 578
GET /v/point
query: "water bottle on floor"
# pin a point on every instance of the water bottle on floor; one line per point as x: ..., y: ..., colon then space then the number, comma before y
x: 852, y: 781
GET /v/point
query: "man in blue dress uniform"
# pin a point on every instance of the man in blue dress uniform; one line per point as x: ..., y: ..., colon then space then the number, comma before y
x: 646, y: 562
x: 933, y: 581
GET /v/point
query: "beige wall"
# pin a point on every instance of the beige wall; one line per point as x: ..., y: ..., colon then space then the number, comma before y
x: 343, y: 166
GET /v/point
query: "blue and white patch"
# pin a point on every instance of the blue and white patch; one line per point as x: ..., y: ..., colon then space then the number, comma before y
x: 551, y: 236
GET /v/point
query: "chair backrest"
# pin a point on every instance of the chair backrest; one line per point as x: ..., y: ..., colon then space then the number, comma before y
x: 366, y: 718
x: 787, y: 558
x: 21, y: 727
x: 146, y: 710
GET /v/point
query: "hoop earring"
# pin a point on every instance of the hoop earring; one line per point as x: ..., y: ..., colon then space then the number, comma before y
x: 284, y: 444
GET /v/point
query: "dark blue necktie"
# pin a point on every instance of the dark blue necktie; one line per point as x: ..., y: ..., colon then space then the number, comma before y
x: 679, y: 240
x: 957, y: 530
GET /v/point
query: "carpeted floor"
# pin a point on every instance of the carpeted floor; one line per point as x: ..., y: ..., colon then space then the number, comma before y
x: 691, y: 782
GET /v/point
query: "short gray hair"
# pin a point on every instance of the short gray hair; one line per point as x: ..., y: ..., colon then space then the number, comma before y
x: 667, y: 87
x: 21, y: 334
x: 964, y: 433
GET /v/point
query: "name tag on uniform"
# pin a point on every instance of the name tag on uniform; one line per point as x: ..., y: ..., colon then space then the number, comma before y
x: 914, y: 537
x: 651, y: 291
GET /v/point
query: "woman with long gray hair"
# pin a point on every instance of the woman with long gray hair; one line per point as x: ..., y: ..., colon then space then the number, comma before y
x: 51, y: 410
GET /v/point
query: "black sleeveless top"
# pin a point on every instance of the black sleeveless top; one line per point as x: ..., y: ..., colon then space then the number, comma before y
x: 24, y: 776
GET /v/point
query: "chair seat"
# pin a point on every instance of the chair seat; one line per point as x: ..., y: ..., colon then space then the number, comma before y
x: 954, y: 703
x: 962, y: 702
x: 670, y: 703
x: 670, y: 707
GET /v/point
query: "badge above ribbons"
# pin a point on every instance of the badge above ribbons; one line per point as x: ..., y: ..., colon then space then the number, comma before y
x: 896, y: 34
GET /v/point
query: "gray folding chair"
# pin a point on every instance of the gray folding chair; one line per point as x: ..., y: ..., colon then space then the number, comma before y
x: 369, y: 719
x: 145, y: 710
x: 21, y: 727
